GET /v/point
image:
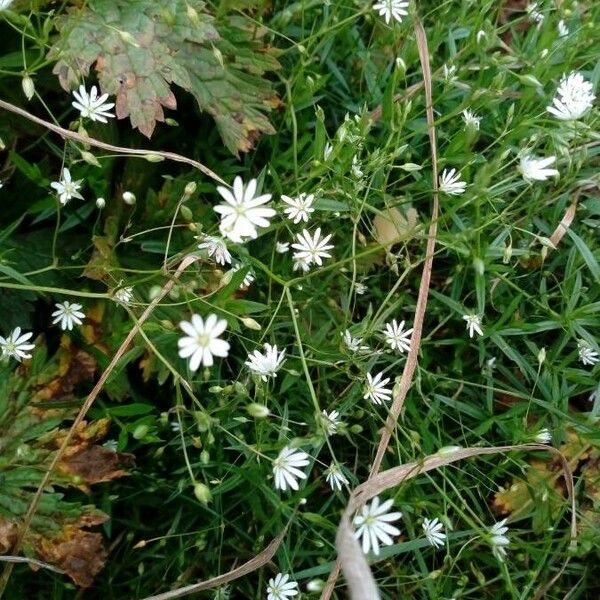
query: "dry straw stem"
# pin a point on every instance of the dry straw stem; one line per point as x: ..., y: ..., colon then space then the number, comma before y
x: 401, y: 390
x: 185, y: 263
x: 361, y: 584
x: 72, y: 135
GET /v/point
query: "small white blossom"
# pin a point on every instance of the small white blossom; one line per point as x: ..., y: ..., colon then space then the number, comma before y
x: 373, y: 525
x: 330, y: 421
x: 215, y: 247
x: 353, y: 344
x: 68, y: 315
x: 16, y: 345
x: 360, y: 288
x: 66, y: 187
x: 473, y: 324
x: 433, y: 530
x: 242, y: 212
x: 498, y: 539
x: 266, y: 365
x: 543, y: 436
x: 91, y: 105
x: 286, y: 468
x: 282, y: 247
x: 356, y: 170
x: 449, y: 73
x: 327, y: 151
x: 573, y: 98
x: 124, y: 295
x: 534, y: 14
x: 301, y: 264
x: 375, y: 389
x: 397, y: 337
x: 201, y: 342
x: 563, y: 30
x: 100, y: 203
x: 536, y: 169
x: 335, y: 478
x: 471, y: 119
x: 312, y: 249
x: 587, y: 355
x: 281, y: 588
x: 391, y: 9
x: 299, y: 208
x: 451, y: 183
x: 129, y: 198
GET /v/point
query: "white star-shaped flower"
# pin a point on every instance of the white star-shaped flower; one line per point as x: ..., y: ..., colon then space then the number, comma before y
x: 587, y: 355
x: 282, y: 247
x: 124, y: 294
x: 91, y: 105
x: 266, y: 365
x: 373, y: 525
x: 287, y: 468
x: 573, y: 98
x: 451, y: 183
x: 202, y: 341
x: 215, y: 247
x: 543, y: 436
x: 299, y: 208
x: 281, y: 588
x: 498, y: 539
x: 312, y: 249
x: 68, y: 315
x: 16, y: 345
x: 353, y: 344
x: 375, y: 389
x: 330, y: 421
x: 471, y: 119
x: 433, y: 530
x: 397, y: 337
x: 391, y: 9
x: 473, y: 324
x: 66, y: 187
x: 536, y: 169
x: 242, y: 212
x: 335, y: 478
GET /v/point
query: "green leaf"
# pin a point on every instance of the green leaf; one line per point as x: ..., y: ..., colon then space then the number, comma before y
x: 140, y: 47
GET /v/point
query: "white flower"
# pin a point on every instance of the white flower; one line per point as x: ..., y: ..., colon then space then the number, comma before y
x: 202, y: 341
x: 373, y: 525
x: 281, y: 588
x: 353, y: 344
x: 375, y: 389
x: 471, y: 119
x: 243, y: 212
x: 498, y: 540
x: 124, y: 295
x: 335, y: 478
x: 68, y: 315
x: 216, y: 247
x: 536, y: 169
x: 16, y: 345
x: 299, y: 208
x: 481, y: 36
x: 587, y: 355
x: 248, y: 278
x: 451, y: 183
x: 266, y: 365
x: 396, y: 337
x: 330, y: 421
x: 91, y: 105
x: 66, y: 187
x: 129, y: 198
x: 100, y: 203
x: 111, y: 445
x: 473, y: 324
x: 356, y: 170
x: 327, y: 151
x: 360, y: 288
x: 389, y: 9
x: 543, y: 436
x: 563, y: 30
x: 4, y: 4
x: 449, y: 73
x: 282, y: 247
x: 433, y: 532
x: 286, y: 468
x: 573, y: 98
x: 312, y: 249
x: 301, y: 264
x: 534, y: 14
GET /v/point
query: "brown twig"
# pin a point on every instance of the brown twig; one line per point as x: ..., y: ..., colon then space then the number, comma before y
x: 185, y: 263
x: 72, y: 135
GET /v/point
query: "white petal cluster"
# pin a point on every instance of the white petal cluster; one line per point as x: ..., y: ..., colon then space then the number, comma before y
x: 268, y: 363
x: 397, y: 337
x: 281, y: 588
x: 330, y: 421
x: 66, y: 187
x: 287, y: 468
x: 391, y: 9
x: 587, y: 355
x: 354, y: 344
x: 243, y: 212
x: 124, y: 294
x: 299, y: 208
x: 215, y: 248
x: 473, y: 324
x: 201, y: 342
x: 375, y: 389
x: 498, y: 539
x: 335, y: 478
x: 68, y: 315
x: 543, y: 436
x: 573, y: 98
x: 433, y: 530
x: 451, y: 183
x: 311, y: 249
x: 536, y: 169
x: 373, y: 525
x: 16, y: 345
x: 91, y: 105
x: 471, y: 119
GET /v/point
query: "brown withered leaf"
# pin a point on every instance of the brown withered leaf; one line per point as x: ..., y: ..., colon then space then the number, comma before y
x: 92, y: 329
x: 8, y: 535
x: 391, y: 226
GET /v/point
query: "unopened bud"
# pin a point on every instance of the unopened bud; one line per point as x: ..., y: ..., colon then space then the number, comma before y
x: 154, y: 158
x: 186, y: 213
x: 479, y: 266
x: 204, y: 457
x: 28, y: 87
x: 128, y: 38
x: 128, y: 198
x: 251, y: 323
x: 190, y: 188
x: 258, y: 411
x: 100, y: 203
x: 541, y: 357
x: 202, y: 493
x: 507, y: 254
x: 140, y: 432
x: 90, y: 158
x: 314, y: 585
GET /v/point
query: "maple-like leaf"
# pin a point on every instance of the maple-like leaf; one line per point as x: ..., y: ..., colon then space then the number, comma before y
x: 140, y: 47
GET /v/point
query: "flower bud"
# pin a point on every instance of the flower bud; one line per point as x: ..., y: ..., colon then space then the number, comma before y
x: 315, y: 585
x: 204, y: 457
x: 541, y: 357
x: 258, y: 411
x: 251, y: 323
x: 90, y: 158
x: 190, y: 188
x: 154, y: 158
x: 479, y: 266
x: 140, y: 432
x: 28, y: 87
x: 186, y: 213
x: 100, y: 203
x: 128, y: 38
x: 202, y: 493
x: 128, y: 198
